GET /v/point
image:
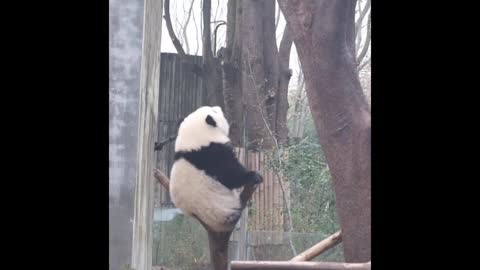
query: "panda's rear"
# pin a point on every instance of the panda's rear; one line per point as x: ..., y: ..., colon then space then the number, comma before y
x: 198, y: 194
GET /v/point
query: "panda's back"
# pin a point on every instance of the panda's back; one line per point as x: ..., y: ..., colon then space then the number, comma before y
x: 196, y: 193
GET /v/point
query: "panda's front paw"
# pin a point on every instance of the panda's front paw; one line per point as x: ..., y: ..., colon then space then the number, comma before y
x: 255, y: 177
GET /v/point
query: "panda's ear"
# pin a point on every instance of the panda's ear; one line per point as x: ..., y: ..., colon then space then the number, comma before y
x: 210, y: 121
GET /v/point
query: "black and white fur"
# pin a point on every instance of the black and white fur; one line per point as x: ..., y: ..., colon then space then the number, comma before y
x: 206, y: 175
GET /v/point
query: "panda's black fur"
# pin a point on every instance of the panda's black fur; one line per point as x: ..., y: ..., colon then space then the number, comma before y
x: 218, y: 161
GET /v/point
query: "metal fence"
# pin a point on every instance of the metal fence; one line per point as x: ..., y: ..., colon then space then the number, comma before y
x: 181, y: 92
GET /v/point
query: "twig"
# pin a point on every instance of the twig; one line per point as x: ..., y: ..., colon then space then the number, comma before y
x: 365, y: 63
x: 168, y: 23
x: 159, y: 146
x: 368, y: 38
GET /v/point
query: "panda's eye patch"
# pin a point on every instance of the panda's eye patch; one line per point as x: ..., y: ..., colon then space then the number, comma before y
x: 210, y: 121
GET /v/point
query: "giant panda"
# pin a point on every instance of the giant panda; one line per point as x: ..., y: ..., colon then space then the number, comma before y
x: 206, y: 177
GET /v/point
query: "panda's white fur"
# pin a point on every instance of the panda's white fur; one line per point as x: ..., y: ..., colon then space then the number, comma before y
x: 204, y: 197
x: 192, y: 190
x: 194, y: 133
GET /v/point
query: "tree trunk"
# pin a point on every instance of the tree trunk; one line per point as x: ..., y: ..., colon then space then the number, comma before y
x: 212, y: 76
x: 271, y: 64
x: 340, y: 110
x: 285, y: 73
x: 254, y: 82
x: 232, y: 88
x: 255, y: 74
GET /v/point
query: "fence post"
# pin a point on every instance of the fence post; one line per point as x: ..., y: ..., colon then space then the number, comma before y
x: 147, y: 133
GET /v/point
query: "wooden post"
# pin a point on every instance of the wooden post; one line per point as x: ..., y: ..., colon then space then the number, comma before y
x: 242, y: 240
x: 274, y: 265
x: 125, y: 54
x: 147, y: 129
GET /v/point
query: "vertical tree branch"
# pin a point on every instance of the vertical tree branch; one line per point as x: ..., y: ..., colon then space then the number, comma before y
x: 207, y: 33
x: 350, y: 27
x: 366, y: 62
x: 197, y: 35
x: 185, y: 26
x: 284, y: 79
x: 271, y: 64
x: 232, y: 90
x: 359, y: 21
x: 231, y: 22
x: 216, y: 11
x: 171, y: 33
x: 297, y: 123
x: 367, y: 42
x: 277, y: 19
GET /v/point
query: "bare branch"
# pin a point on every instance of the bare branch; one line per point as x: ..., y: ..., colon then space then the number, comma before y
x: 197, y: 35
x: 216, y: 11
x: 207, y: 33
x: 363, y: 12
x: 298, y: 109
x: 358, y: 38
x: 185, y: 26
x: 285, y: 48
x: 319, y: 248
x: 178, y: 28
x: 201, y: 19
x: 285, y: 73
x: 277, y: 20
x: 171, y: 33
x: 364, y: 64
x: 367, y: 41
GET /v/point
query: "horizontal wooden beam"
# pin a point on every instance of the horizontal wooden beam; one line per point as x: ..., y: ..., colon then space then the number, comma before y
x: 319, y: 248
x: 273, y: 265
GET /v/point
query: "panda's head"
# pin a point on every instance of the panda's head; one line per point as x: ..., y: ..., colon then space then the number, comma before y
x: 201, y: 127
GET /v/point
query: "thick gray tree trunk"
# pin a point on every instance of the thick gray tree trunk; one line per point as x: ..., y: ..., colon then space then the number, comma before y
x: 322, y: 32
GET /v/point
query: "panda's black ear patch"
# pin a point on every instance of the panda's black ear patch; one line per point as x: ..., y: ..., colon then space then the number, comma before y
x: 210, y: 121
